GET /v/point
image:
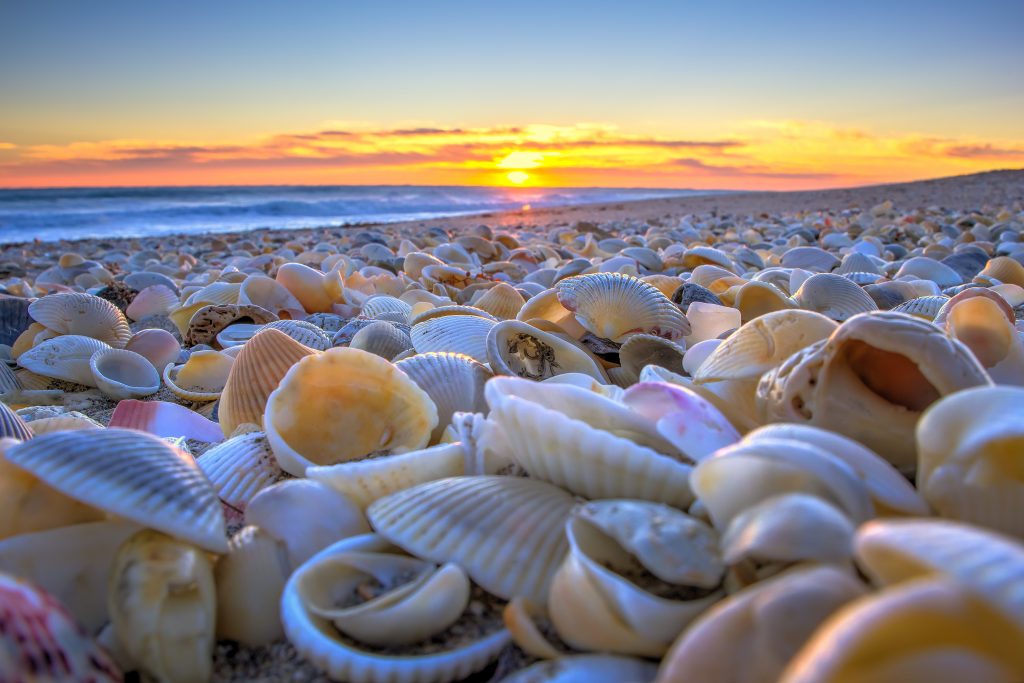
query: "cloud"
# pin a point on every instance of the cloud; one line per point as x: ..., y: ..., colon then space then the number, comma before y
x: 8, y: 145
x: 751, y: 171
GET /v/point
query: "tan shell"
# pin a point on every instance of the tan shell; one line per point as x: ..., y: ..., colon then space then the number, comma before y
x: 454, y: 382
x: 256, y: 372
x: 834, y: 296
x: 343, y: 405
x: 82, y: 314
x: 755, y: 299
x: 207, y: 322
x: 545, y: 306
x: 980, y: 323
x: 202, y: 377
x: 250, y: 580
x: 65, y: 357
x: 614, y: 306
x: 270, y: 295
x: 641, y: 350
x: 516, y: 348
x: 1002, y: 268
x: 466, y: 334
x: 240, y: 467
x: 159, y: 347
x: 382, y: 339
x: 502, y: 301
x: 307, y: 285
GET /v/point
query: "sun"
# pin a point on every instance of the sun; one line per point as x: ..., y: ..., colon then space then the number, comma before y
x: 517, y: 177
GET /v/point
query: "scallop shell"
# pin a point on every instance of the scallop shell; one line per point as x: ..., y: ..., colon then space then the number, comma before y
x: 502, y: 301
x: 1004, y: 269
x: 834, y: 296
x: 454, y: 382
x: 924, y: 307
x: 14, y: 318
x: 250, y: 580
x: 856, y: 262
x: 86, y: 315
x: 303, y: 332
x: 255, y: 373
x: 511, y: 545
x: 271, y: 295
x: 159, y: 347
x: 443, y: 310
x: 376, y: 306
x: 465, y: 334
x: 154, y: 300
x: 240, y: 467
x: 614, y: 306
x: 981, y: 324
x: 382, y: 339
x: 130, y: 474
x: 12, y: 426
x: 813, y: 259
x: 516, y: 348
x: 201, y: 378
x: 762, y: 344
x: 342, y: 405
x: 215, y: 293
x: 65, y: 357
x: 755, y: 299
x: 207, y: 322
x: 120, y: 374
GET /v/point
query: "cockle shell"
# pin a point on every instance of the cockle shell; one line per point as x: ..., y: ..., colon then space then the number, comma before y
x: 614, y: 306
x: 924, y: 307
x: 130, y: 474
x: 445, y: 309
x: 751, y: 635
x: 162, y: 606
x: 202, y: 377
x: 511, y: 546
x: 65, y: 357
x: 82, y: 314
x: 159, y: 347
x: 466, y: 334
x: 1004, y: 269
x: 305, y: 333
x: 120, y: 374
x: 454, y: 382
x: 924, y: 268
x: 272, y: 296
x: 342, y: 405
x: 382, y: 339
x: 12, y: 426
x: 240, y: 467
x: 216, y: 294
x: 810, y: 258
x: 834, y: 296
x: 207, y: 322
x: 255, y: 373
x: 154, y: 300
x: 502, y: 301
x: 594, y: 606
x: 518, y: 349
x: 968, y: 452
x: 377, y: 306
x: 856, y: 262
x: 980, y: 323
x: 43, y: 643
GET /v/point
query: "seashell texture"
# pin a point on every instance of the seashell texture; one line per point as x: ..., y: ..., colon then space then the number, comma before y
x: 153, y: 300
x: 14, y: 318
x: 968, y: 447
x: 709, y: 321
x: 202, y: 377
x: 120, y: 374
x: 502, y: 301
x: 12, y: 426
x: 382, y: 339
x: 82, y: 314
x: 240, y: 467
x: 255, y: 373
x: 236, y: 334
x: 130, y: 474
x: 924, y: 307
x: 518, y: 349
x: 834, y: 296
x: 752, y: 635
x: 465, y: 334
x: 755, y: 299
x: 343, y: 405
x: 303, y: 332
x: 162, y: 607
x: 454, y: 382
x: 512, y: 549
x: 66, y: 357
x: 636, y: 574
x: 980, y: 322
x: 43, y: 643
x: 813, y: 259
x: 207, y: 322
x: 870, y: 381
x: 614, y: 306
x: 1002, y: 268
x: 159, y: 347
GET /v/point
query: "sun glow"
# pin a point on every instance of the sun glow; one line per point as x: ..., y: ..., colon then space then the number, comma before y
x: 517, y: 177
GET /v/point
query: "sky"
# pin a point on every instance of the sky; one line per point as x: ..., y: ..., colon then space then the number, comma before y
x: 730, y: 94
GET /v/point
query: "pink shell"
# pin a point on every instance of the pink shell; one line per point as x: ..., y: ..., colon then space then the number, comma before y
x: 164, y: 419
x: 686, y: 420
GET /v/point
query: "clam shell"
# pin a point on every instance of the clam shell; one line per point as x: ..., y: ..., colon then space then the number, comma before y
x: 65, y: 357
x: 120, y: 373
x: 810, y: 258
x: 215, y: 293
x: 307, y: 285
x: 516, y: 348
x: 382, y: 339
x: 755, y: 299
x: 506, y: 532
x: 376, y: 306
x: 924, y: 268
x: 159, y: 347
x: 856, y: 262
x: 545, y: 306
x: 209, y: 321
x: 924, y: 307
x: 981, y: 324
x: 168, y: 420
x: 502, y: 301
x: 834, y: 296
x: 130, y: 474
x: 614, y: 306
x: 141, y: 280
x: 645, y: 349
x: 271, y: 295
x: 1004, y: 269
x: 454, y: 382
x: 342, y: 405
x: 154, y: 300
x: 201, y: 378
x: 76, y: 313
x: 303, y: 332
x: 255, y: 373
x: 465, y: 334
x: 240, y: 467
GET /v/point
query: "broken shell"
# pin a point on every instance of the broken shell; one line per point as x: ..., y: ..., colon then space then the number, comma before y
x: 164, y: 419
x: 12, y: 426
x: 307, y: 285
x: 694, y: 426
x: 209, y: 321
x: 454, y: 382
x: 834, y: 296
x: 159, y: 347
x: 65, y: 357
x: 155, y: 300
x: 342, y: 405
x: 240, y: 467
x: 236, y: 334
x: 120, y: 373
x: 518, y: 349
x: 466, y: 334
x: 201, y: 378
x: 614, y: 306
x: 82, y: 314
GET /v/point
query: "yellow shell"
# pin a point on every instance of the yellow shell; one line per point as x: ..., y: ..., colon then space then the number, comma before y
x: 1005, y: 269
x: 201, y: 378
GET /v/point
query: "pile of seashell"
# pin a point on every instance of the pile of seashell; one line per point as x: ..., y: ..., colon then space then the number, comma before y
x: 716, y: 449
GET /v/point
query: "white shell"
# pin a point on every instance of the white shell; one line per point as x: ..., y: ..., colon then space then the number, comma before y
x: 466, y: 334
x: 82, y: 314
x: 153, y: 300
x: 121, y: 374
x: 65, y: 357
x: 518, y: 349
x: 240, y: 467
x: 454, y: 382
x: 615, y: 306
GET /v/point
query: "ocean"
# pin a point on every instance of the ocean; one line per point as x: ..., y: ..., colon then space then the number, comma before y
x: 53, y: 214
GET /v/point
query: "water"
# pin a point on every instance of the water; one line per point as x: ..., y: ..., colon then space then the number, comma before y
x: 55, y: 214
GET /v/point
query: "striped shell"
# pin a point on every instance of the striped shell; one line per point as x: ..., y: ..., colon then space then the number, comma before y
x: 207, y: 322
x: 155, y: 300
x: 305, y: 333
x: 82, y: 314
x: 383, y: 339
x: 240, y: 467
x: 11, y: 424
x: 834, y: 296
x: 614, y: 306
x: 465, y: 334
x: 502, y: 301
x: 454, y: 382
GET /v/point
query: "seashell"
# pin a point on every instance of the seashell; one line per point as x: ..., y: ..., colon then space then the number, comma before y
x: 666, y: 284
x: 201, y: 378
x: 590, y: 668
x: 465, y: 334
x: 154, y: 300
x: 328, y: 322
x: 833, y: 296
x: 595, y: 600
x: 120, y: 373
x: 382, y: 339
x: 207, y: 322
x: 513, y: 549
x: 454, y: 382
x: 249, y: 580
x: 159, y: 347
x: 923, y: 307
x: 157, y: 486
x: 752, y: 635
x: 303, y: 332
x: 72, y: 563
x: 729, y: 397
x: 644, y: 349
x: 236, y: 334
x: 14, y: 318
x: 342, y: 405
x: 755, y: 299
x: 981, y: 323
x: 708, y: 321
x: 1002, y: 268
x: 762, y: 344
x: 889, y: 295
x: 924, y: 268
x: 856, y: 262
x: 690, y: 292
x: 255, y: 373
x: 443, y: 310
x: 871, y: 381
x: 614, y: 306
x: 698, y: 353
x: 516, y: 348
x: 215, y: 294
x: 813, y: 259
x: 966, y: 265
x: 376, y: 306
x: 966, y: 446
x: 162, y: 607
x: 12, y: 426
x: 65, y: 357
x: 163, y: 419
x: 240, y: 467
x: 316, y: 639
x: 74, y: 313
x: 502, y: 301
x: 43, y: 642
x: 182, y: 314
x: 305, y: 517
x: 270, y: 295
x: 545, y: 306
x: 141, y: 280
x: 702, y: 255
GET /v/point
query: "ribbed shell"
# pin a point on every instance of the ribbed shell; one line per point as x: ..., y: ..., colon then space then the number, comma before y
x: 814, y: 259
x: 132, y: 475
x: 14, y: 318
x: 11, y: 425
x: 139, y: 281
x: 216, y: 293
x: 614, y: 306
x: 241, y: 467
x: 926, y: 268
x: 382, y: 338
x: 755, y: 299
x: 303, y: 332
x: 454, y: 309
x: 256, y: 372
x: 646, y: 349
x: 466, y: 334
x: 833, y: 296
x: 506, y: 532
x: 856, y: 262
x: 502, y: 301
x: 924, y: 307
x: 154, y: 300
x: 1005, y: 269
x: 82, y: 314
x: 454, y: 382
x: 379, y: 305
x: 65, y: 357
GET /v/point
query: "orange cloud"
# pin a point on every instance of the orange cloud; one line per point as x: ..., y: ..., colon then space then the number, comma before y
x: 757, y: 155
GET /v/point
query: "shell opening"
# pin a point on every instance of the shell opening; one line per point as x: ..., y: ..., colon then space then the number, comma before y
x: 892, y: 376
x: 531, y: 358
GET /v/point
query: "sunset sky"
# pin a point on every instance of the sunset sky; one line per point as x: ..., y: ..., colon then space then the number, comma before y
x: 717, y: 94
